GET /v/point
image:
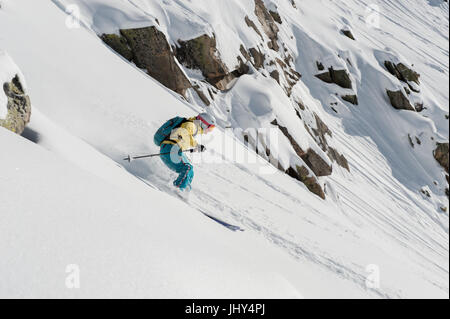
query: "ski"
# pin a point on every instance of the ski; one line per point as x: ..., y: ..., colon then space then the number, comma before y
x: 227, y: 225
x: 221, y: 222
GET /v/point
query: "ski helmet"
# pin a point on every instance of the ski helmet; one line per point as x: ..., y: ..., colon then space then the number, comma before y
x: 207, y: 121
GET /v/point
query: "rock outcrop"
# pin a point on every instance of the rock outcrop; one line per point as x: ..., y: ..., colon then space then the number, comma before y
x: 18, y: 107
x: 317, y: 164
x: 351, y: 99
x: 339, y: 77
x: 276, y: 16
x: 400, y: 101
x: 252, y: 25
x: 403, y: 73
x: 258, y: 58
x: 291, y: 76
x: 441, y: 154
x: 201, y: 53
x: 275, y: 75
x: 319, y: 134
x: 338, y: 158
x: 118, y: 44
x: 302, y: 174
x: 348, y: 34
x: 149, y: 49
x: 267, y: 21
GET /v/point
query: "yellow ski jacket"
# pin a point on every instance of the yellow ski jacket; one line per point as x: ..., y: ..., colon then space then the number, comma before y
x: 184, y: 135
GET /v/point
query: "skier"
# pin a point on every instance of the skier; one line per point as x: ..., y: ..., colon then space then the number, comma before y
x: 176, y: 137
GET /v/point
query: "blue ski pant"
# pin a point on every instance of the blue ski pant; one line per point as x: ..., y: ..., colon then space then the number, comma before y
x: 177, y: 161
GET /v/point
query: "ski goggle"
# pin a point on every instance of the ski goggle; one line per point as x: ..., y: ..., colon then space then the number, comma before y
x: 209, y: 127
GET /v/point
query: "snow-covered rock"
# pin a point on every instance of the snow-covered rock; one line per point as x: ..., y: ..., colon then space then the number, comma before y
x: 15, y: 105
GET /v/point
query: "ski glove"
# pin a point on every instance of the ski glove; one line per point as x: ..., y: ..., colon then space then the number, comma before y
x: 199, y: 148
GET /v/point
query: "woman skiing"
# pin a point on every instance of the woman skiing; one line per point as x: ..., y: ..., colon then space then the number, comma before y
x: 176, y: 137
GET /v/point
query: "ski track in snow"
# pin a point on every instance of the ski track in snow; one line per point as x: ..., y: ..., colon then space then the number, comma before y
x: 250, y: 218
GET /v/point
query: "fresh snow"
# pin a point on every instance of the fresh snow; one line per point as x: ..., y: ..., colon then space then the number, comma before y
x: 70, y: 198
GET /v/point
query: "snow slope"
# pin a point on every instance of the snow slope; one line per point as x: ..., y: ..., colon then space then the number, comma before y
x: 96, y: 109
x: 125, y: 245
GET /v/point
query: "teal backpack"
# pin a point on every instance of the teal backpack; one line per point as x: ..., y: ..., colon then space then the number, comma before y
x: 164, y: 131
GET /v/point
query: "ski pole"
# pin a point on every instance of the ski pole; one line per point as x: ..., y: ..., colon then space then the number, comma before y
x: 132, y: 158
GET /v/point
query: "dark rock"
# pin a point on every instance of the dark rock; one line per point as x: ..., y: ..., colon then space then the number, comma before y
x: 118, y: 44
x: 351, y: 99
x: 252, y: 25
x: 276, y: 16
x: 348, y: 34
x: 403, y: 73
x: 288, y: 58
x: 339, y: 77
x: 201, y: 95
x: 281, y: 63
x: 425, y: 192
x: 18, y: 106
x: 268, y: 23
x: 320, y: 66
x: 326, y: 77
x: 258, y: 58
x: 418, y: 141
x: 441, y: 155
x: 276, y: 75
x: 211, y: 94
x: 317, y: 164
x: 201, y: 53
x: 408, y: 75
x: 302, y: 174
x: 244, y: 53
x: 221, y: 83
x: 293, y: 142
x: 320, y: 133
x: 152, y: 52
x: 300, y: 104
x: 338, y: 158
x: 393, y: 70
x: 400, y: 101
x: 291, y: 76
x: 407, y: 90
x: 419, y: 107
x: 148, y: 49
